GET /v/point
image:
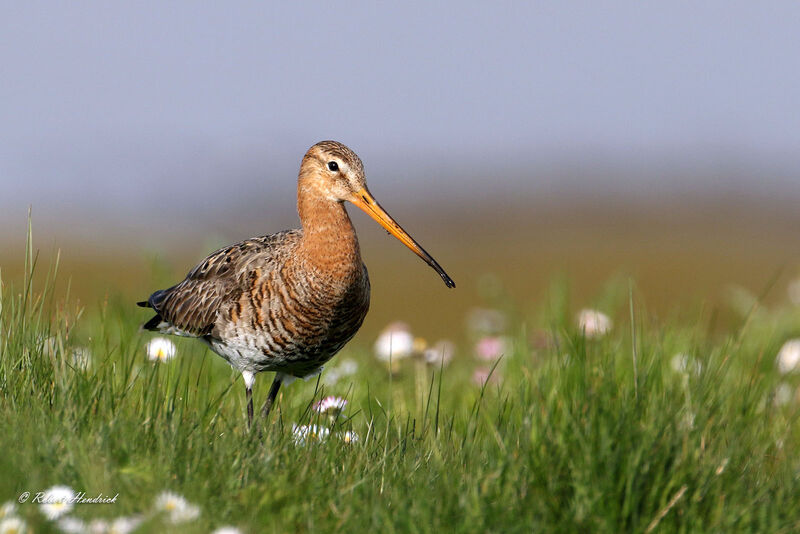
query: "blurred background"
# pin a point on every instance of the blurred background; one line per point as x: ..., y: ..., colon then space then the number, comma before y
x: 580, y: 141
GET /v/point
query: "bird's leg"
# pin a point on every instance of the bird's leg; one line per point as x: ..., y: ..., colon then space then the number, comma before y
x: 273, y: 392
x: 249, y: 380
x: 249, y: 392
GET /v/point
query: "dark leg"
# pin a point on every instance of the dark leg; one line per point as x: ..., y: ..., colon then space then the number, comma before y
x: 249, y: 392
x: 273, y: 392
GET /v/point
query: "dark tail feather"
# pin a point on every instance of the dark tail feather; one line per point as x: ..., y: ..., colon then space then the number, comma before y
x: 154, y: 302
x: 153, y: 323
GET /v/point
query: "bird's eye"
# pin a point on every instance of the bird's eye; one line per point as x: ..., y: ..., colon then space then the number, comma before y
x: 332, y: 165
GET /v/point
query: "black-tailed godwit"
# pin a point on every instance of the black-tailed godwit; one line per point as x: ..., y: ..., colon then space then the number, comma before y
x: 286, y: 302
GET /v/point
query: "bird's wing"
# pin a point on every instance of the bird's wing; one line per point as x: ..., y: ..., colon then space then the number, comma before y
x: 190, y: 308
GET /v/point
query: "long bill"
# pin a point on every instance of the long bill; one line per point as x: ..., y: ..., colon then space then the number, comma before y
x: 370, y: 206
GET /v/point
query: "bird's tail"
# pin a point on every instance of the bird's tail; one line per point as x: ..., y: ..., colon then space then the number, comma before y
x: 155, y: 324
x: 156, y: 321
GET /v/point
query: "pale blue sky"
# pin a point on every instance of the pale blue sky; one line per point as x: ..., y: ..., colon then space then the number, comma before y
x: 147, y: 107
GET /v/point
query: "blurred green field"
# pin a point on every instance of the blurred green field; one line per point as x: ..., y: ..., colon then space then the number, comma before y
x: 668, y: 422
x: 686, y: 257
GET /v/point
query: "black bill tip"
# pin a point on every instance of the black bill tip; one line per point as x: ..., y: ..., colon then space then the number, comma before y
x: 447, y: 280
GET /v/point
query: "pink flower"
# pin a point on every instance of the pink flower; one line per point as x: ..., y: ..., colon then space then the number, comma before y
x: 491, y: 348
x: 593, y: 323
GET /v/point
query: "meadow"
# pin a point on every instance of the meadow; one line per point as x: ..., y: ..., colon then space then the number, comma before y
x: 538, y: 423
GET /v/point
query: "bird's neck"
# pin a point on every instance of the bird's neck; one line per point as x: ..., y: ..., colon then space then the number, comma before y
x: 329, y: 238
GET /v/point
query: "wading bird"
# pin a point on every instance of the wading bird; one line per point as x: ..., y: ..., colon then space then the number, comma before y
x: 289, y: 301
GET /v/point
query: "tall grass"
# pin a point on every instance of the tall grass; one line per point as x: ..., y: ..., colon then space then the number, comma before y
x: 570, y: 434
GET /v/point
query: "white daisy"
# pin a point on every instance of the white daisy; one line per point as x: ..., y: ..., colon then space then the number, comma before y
x: 594, y: 323
x: 788, y: 358
x: 190, y: 512
x: 56, y: 501
x: 81, y: 358
x: 441, y: 353
x: 303, y: 433
x: 350, y: 437
x: 98, y: 526
x: 13, y: 525
x: 124, y: 525
x: 394, y: 343
x: 72, y: 525
x: 8, y: 509
x: 227, y: 530
x: 330, y: 405
x: 160, y: 349
x: 178, y: 508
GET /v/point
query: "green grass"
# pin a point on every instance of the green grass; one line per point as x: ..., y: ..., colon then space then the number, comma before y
x: 568, y: 438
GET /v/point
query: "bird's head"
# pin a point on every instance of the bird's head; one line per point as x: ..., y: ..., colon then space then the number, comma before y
x: 334, y: 172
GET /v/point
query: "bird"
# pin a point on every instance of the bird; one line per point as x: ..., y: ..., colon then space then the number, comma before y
x: 289, y: 301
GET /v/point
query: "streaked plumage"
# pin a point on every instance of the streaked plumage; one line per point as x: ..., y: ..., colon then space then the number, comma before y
x: 286, y: 302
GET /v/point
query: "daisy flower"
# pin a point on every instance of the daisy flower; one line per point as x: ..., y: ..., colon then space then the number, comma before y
x: 788, y: 358
x: 593, y: 323
x: 124, y: 525
x: 8, y: 509
x: 394, y: 343
x: 56, y: 501
x: 441, y: 352
x: 303, y: 433
x: 160, y: 349
x: 178, y: 508
x: 81, y: 358
x: 350, y: 437
x: 185, y: 514
x: 13, y: 525
x: 72, y: 525
x: 98, y: 526
x: 330, y: 405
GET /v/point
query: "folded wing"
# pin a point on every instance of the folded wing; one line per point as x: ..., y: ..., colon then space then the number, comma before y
x: 191, y: 307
